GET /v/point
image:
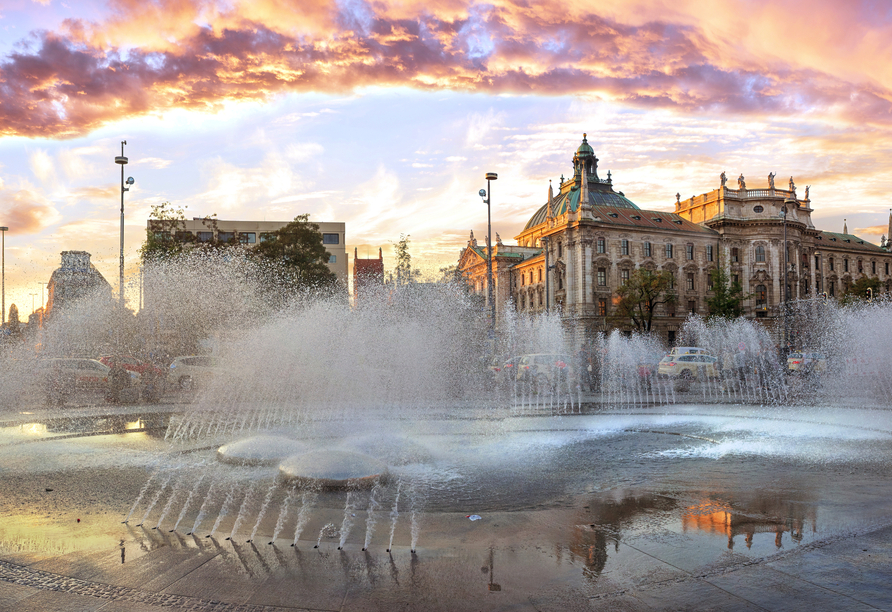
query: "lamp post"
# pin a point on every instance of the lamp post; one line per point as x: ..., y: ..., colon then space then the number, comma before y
x: 33, y: 295
x: 3, y: 231
x: 785, y: 277
x: 490, y: 176
x: 120, y: 159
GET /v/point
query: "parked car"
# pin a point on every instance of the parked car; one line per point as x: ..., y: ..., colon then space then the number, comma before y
x: 686, y: 350
x: 688, y: 366
x: 806, y: 362
x: 193, y: 370
x: 132, y: 364
x: 545, y: 370
x: 503, y: 369
x: 152, y: 378
x: 74, y: 373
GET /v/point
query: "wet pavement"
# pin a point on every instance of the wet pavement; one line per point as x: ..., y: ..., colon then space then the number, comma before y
x: 683, y: 507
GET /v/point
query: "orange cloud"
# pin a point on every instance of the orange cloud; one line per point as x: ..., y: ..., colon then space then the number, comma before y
x: 26, y: 212
x: 200, y: 54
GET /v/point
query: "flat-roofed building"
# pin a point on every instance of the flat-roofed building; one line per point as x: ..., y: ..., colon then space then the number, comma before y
x: 255, y: 232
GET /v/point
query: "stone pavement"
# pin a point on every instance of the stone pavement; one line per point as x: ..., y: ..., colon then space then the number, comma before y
x: 841, y: 574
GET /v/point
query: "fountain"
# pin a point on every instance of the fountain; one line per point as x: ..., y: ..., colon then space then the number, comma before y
x: 371, y: 450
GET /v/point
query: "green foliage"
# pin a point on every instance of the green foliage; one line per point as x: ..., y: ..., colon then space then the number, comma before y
x: 166, y: 236
x: 859, y: 290
x: 403, y: 273
x: 298, y: 246
x: 640, y: 296
x: 728, y: 297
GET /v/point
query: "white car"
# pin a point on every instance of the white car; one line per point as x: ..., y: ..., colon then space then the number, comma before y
x: 189, y: 371
x: 688, y: 366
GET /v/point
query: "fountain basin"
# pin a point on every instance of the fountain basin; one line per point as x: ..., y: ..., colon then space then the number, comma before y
x: 333, y: 470
x: 259, y: 450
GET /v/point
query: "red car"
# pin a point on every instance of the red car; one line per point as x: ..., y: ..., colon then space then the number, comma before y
x: 132, y: 364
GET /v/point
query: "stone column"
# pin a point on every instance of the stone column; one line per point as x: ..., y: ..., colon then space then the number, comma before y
x: 776, y: 248
x: 570, y: 280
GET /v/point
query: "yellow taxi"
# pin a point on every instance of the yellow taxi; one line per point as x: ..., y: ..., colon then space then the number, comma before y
x: 688, y: 366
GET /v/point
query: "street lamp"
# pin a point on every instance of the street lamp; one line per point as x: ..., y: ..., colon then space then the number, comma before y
x: 3, y: 231
x: 120, y: 159
x: 487, y: 198
x: 785, y: 277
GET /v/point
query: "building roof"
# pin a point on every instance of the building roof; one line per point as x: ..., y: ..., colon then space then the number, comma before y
x: 599, y: 194
x: 848, y: 241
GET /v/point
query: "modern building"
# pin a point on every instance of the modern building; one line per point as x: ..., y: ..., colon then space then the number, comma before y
x: 255, y: 232
x: 587, y: 239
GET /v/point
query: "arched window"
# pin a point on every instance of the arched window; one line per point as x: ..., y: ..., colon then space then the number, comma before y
x: 760, y: 254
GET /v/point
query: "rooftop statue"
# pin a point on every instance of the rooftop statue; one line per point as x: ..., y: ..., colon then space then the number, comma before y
x: 741, y: 182
x: 724, y: 178
x: 771, y: 176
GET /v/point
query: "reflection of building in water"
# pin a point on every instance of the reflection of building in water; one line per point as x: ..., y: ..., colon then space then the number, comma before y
x: 777, y: 518
x: 606, y: 520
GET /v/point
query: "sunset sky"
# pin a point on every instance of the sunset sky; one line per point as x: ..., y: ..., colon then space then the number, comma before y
x: 386, y: 115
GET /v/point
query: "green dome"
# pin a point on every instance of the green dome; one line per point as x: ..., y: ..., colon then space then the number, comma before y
x: 585, y: 148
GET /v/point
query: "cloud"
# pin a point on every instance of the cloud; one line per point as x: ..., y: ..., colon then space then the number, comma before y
x: 875, y: 230
x: 42, y: 165
x: 25, y: 211
x: 156, y: 163
x: 201, y: 54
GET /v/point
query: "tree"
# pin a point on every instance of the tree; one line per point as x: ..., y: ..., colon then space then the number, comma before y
x: 299, y: 248
x: 166, y: 236
x: 864, y: 288
x: 728, y: 297
x: 403, y: 273
x: 12, y: 322
x: 640, y: 296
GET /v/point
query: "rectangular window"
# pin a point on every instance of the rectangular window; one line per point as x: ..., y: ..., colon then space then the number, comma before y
x: 689, y: 251
x: 523, y: 280
x: 247, y: 237
x: 332, y: 259
x: 832, y: 288
x: 647, y: 249
x: 887, y: 267
x: 624, y: 274
x: 668, y: 251
x: 624, y: 247
x: 602, y: 307
x: 184, y: 236
x: 671, y: 280
x: 873, y: 267
x: 225, y: 236
x: 735, y: 279
x: 845, y: 265
x: 267, y: 237
x: 709, y: 255
x: 817, y: 262
x: 692, y: 306
x: 709, y: 283
x: 162, y: 236
x: 735, y: 255
x: 205, y: 236
x: 602, y: 245
x: 806, y: 284
x: 860, y: 267
x: 540, y: 275
x: 602, y: 277
x: 690, y: 281
x: 560, y: 250
x: 331, y: 239
x: 831, y: 264
x: 817, y: 285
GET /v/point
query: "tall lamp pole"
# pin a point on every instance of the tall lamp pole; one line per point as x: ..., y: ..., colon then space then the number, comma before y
x: 490, y: 176
x: 784, y: 277
x: 3, y: 231
x: 120, y: 159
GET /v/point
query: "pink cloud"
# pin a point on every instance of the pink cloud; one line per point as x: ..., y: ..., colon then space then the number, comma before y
x: 68, y: 83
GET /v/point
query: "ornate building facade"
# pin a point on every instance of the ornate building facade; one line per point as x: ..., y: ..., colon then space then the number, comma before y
x: 587, y: 239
